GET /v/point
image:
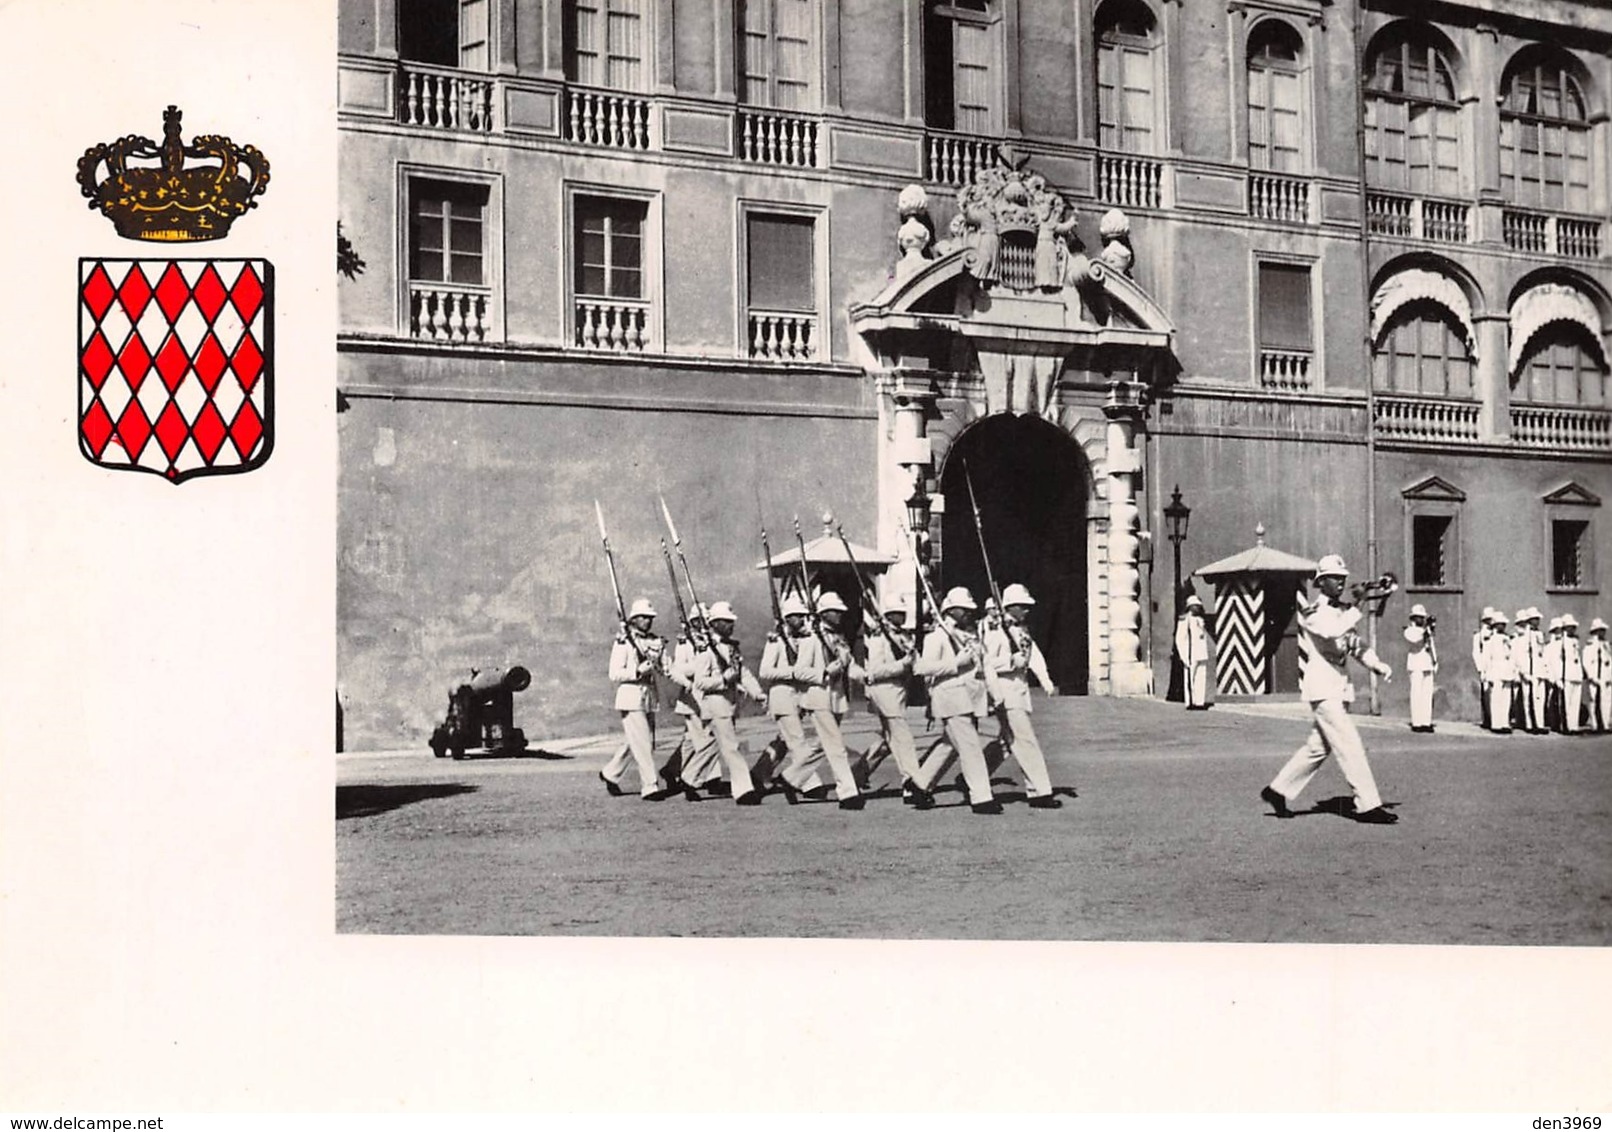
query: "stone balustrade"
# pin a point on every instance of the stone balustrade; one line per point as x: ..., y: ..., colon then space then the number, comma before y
x: 1272, y: 196
x: 768, y: 137
x: 1284, y: 369
x: 1129, y: 182
x: 1418, y: 218
x: 953, y: 159
x: 783, y: 335
x: 1553, y: 426
x: 609, y: 119
x: 441, y: 98
x: 450, y: 312
x: 618, y: 325
x: 1426, y: 418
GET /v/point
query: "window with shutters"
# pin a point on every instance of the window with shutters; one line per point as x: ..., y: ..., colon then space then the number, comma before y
x: 1570, y: 516
x: 612, y: 275
x: 1544, y: 134
x: 1412, y: 118
x: 603, y: 43
x: 781, y: 262
x: 962, y: 66
x: 1286, y: 336
x: 1422, y: 352
x: 778, y: 61
x: 1562, y: 366
x: 1128, y: 78
x: 446, y: 33
x: 1433, y: 535
x: 1430, y: 550
x: 1278, y: 129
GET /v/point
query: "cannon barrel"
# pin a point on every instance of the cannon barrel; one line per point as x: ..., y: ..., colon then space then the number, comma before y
x: 515, y: 679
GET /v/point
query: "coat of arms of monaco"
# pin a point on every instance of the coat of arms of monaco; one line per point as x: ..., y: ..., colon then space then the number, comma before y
x: 176, y: 356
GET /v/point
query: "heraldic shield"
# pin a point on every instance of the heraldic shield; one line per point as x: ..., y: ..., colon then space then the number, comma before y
x: 176, y: 365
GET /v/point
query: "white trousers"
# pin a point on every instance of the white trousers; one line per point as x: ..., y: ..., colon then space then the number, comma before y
x: 639, y: 727
x: 1600, y: 705
x: 963, y: 738
x: 699, y: 753
x: 1500, y: 694
x: 1019, y: 735
x: 1197, y: 683
x: 898, y: 741
x: 801, y: 765
x: 727, y: 742
x: 1573, y: 700
x: 1421, y: 699
x: 1333, y: 733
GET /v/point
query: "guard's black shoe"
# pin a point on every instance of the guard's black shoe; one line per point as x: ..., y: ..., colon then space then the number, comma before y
x: 610, y: 787
x: 791, y: 795
x: 991, y: 807
x: 919, y: 799
x: 1046, y: 802
x: 692, y: 794
x: 854, y: 802
x: 748, y: 798
x: 661, y: 795
x: 719, y: 788
x: 1276, y: 802
x: 818, y: 793
x: 1377, y: 816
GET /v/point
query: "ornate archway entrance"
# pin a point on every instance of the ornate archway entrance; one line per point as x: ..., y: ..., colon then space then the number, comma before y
x: 1005, y: 345
x: 1032, y: 484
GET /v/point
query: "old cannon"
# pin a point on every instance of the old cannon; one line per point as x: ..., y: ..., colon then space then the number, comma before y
x: 481, y: 715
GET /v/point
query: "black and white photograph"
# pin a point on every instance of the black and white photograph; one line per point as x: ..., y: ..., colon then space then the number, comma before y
x: 1001, y: 469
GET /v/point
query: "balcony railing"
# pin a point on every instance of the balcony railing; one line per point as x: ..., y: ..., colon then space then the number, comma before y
x: 1418, y: 218
x: 444, y: 99
x: 606, y: 118
x: 783, y: 335
x: 1426, y: 418
x: 770, y: 138
x: 953, y: 159
x: 1549, y: 426
x: 450, y: 312
x: 1284, y: 369
x: 1130, y: 182
x: 1272, y: 196
x: 618, y: 325
x: 1574, y: 237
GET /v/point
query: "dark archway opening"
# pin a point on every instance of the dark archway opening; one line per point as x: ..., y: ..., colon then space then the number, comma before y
x: 1032, y: 483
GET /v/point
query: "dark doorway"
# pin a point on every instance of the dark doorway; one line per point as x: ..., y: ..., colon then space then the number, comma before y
x: 1282, y: 600
x: 1032, y: 483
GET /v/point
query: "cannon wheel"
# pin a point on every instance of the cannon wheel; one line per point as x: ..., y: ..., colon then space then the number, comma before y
x: 439, y: 742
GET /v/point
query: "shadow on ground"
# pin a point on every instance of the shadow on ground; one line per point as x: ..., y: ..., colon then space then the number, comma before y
x: 367, y: 801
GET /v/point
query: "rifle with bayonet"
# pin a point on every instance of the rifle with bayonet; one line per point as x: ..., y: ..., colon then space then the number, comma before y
x: 923, y: 580
x: 615, y: 584
x: 806, y: 590
x: 869, y: 599
x: 990, y: 578
x: 677, y: 596
x: 777, y: 609
x: 700, y: 640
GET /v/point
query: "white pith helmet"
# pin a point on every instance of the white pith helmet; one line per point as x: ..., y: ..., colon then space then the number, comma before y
x: 1017, y: 595
x: 1331, y: 566
x: 958, y: 597
x: 720, y: 611
x: 641, y: 608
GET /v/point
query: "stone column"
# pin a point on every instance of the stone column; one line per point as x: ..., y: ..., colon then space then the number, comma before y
x: 1480, y: 113
x: 1493, y: 376
x: 905, y: 473
x: 1128, y: 674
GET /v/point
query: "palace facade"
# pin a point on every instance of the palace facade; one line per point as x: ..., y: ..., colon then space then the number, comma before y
x: 1338, y: 273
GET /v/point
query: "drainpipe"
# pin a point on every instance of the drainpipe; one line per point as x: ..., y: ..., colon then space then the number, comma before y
x: 1365, y: 338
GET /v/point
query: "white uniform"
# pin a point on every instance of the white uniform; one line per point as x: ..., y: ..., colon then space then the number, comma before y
x: 1598, y: 682
x: 820, y: 674
x: 1570, y: 671
x: 1479, y: 640
x: 719, y: 677
x: 1192, y: 646
x: 1009, y: 669
x: 1500, y: 670
x: 699, y: 764
x: 884, y: 678
x: 783, y: 704
x: 957, y: 698
x: 1421, y: 663
x: 1527, y: 656
x: 635, y: 661
x: 1325, y: 684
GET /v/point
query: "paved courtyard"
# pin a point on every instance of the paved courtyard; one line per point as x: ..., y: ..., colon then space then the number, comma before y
x: 1501, y: 840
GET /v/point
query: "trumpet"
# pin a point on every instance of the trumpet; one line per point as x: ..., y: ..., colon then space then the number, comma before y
x: 1375, y: 593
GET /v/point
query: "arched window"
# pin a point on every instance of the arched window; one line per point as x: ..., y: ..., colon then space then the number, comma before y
x: 1422, y: 352
x: 1278, y: 126
x: 604, y: 43
x: 1413, y: 123
x: 962, y: 66
x: 1544, y: 134
x: 1562, y: 367
x: 778, y: 53
x: 1127, y: 77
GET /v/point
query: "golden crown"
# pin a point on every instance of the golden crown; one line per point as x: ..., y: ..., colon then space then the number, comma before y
x: 170, y: 201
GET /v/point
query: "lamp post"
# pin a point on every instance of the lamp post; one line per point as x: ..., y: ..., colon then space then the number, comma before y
x: 1176, y: 517
x: 918, y: 524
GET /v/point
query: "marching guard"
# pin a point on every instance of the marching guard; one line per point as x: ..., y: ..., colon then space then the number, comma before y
x: 783, y: 690
x: 1011, y: 657
x: 719, y: 678
x: 952, y: 663
x: 822, y: 664
x: 636, y: 658
x: 698, y: 766
x: 884, y: 680
x: 1327, y: 639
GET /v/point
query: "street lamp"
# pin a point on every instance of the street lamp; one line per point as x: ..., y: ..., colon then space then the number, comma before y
x: 1176, y: 517
x: 918, y: 524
